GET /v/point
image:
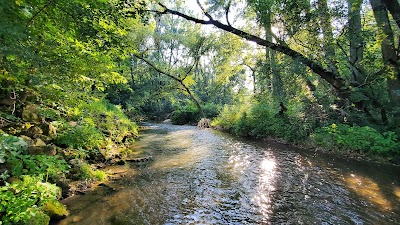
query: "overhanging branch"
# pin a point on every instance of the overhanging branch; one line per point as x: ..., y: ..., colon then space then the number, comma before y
x: 332, y: 78
x: 179, y: 80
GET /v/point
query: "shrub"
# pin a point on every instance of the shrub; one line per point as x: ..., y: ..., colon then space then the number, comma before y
x: 82, y: 136
x: 13, y: 151
x: 88, y: 173
x: 261, y: 120
x: 356, y: 138
x: 227, y: 118
x: 211, y: 110
x: 185, y: 115
x: 21, y: 200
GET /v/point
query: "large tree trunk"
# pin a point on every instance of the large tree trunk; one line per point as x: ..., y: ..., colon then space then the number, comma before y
x: 327, y: 33
x: 355, y: 39
x: 389, y: 53
x: 394, y: 8
x: 275, y: 82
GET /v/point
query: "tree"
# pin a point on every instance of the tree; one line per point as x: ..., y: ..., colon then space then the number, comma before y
x: 389, y: 52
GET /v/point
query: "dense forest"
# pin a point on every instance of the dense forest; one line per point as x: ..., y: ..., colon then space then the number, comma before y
x: 77, y: 76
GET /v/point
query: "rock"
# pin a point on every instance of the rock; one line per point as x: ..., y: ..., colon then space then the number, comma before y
x: 143, y: 159
x: 55, y: 210
x: 33, y: 150
x: 50, y: 150
x: 27, y: 139
x: 38, y: 143
x: 33, y: 132
x: 167, y: 121
x: 45, y: 138
x: 111, y: 170
x: 76, y: 219
x: 30, y: 113
x: 49, y: 129
x: 52, y: 131
x: 73, y: 123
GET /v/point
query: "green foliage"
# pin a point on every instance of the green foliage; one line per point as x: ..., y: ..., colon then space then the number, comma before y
x: 185, y: 115
x: 88, y: 173
x: 55, y: 209
x: 262, y: 120
x: 38, y: 217
x: 97, y: 119
x: 82, y: 136
x: 20, y: 200
x: 211, y: 110
x: 356, y: 138
x: 13, y: 151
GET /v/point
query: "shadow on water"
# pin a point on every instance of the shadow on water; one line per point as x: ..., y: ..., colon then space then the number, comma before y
x: 208, y: 177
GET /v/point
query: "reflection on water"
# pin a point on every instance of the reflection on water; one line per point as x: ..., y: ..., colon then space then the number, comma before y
x: 207, y: 177
x: 369, y: 190
x: 266, y: 185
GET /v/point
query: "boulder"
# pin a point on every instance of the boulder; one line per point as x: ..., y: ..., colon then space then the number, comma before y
x: 50, y: 150
x: 27, y: 139
x: 52, y: 131
x: 33, y: 132
x: 38, y: 143
x: 30, y: 113
x: 37, y: 147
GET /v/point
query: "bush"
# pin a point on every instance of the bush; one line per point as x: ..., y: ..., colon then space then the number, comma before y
x: 227, y: 118
x: 356, y: 138
x: 185, y: 115
x: 262, y: 120
x: 82, y: 136
x: 88, y: 173
x: 21, y: 200
x: 13, y: 151
x: 211, y: 110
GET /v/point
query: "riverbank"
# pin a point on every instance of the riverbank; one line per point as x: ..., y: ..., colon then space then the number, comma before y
x: 310, y: 145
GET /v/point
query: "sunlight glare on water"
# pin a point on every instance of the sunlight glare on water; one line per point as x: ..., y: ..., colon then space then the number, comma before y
x: 265, y: 187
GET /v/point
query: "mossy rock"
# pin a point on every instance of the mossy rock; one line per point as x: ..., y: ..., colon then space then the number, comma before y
x: 55, y: 210
x: 38, y: 218
x: 30, y: 113
x: 33, y: 132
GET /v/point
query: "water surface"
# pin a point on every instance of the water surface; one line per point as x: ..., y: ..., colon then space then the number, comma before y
x: 208, y: 177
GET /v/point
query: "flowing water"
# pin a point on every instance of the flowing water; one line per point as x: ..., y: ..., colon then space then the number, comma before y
x: 208, y: 177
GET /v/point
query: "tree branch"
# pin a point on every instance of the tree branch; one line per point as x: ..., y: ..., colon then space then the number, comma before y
x: 204, y: 11
x: 180, y: 81
x: 332, y: 78
x: 227, y: 12
x: 40, y: 10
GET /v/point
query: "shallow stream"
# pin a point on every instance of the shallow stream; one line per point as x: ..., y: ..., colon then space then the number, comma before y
x: 208, y: 177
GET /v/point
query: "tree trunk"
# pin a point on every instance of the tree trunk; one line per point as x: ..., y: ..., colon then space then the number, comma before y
x: 355, y: 39
x: 389, y: 54
x: 326, y: 29
x: 132, y: 61
x: 394, y: 8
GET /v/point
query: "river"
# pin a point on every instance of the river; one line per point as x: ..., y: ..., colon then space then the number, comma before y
x: 209, y: 177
